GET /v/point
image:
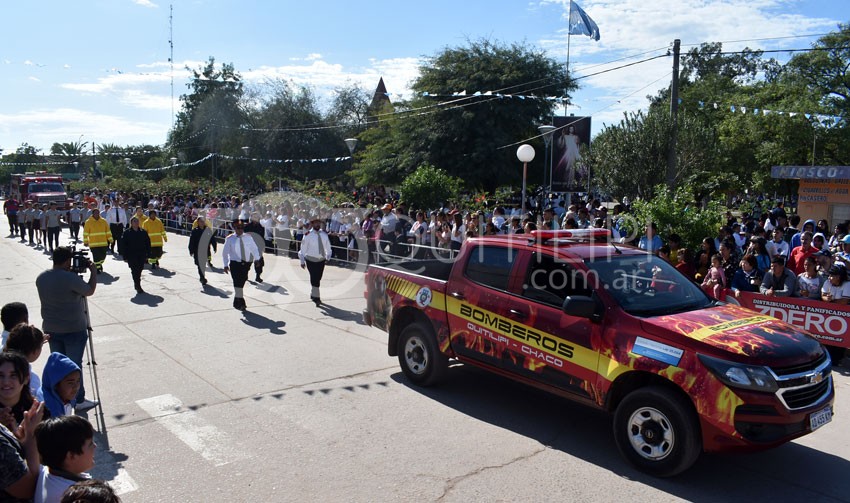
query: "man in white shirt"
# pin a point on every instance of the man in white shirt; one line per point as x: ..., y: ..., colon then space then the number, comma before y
x: 116, y: 217
x: 239, y: 252
x: 315, y: 251
x: 778, y: 246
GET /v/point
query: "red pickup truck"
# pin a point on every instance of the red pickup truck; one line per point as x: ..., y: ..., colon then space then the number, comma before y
x: 614, y: 328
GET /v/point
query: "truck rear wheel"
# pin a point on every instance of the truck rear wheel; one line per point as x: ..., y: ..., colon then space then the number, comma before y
x: 657, y: 431
x: 419, y: 357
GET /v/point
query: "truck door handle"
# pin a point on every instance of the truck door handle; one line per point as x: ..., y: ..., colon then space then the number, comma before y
x: 517, y: 314
x: 458, y: 295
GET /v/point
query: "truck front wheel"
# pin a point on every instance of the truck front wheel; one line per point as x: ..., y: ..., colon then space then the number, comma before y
x: 419, y: 357
x: 658, y: 431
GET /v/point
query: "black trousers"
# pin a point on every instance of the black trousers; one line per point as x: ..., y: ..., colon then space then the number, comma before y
x: 13, y: 223
x: 258, y: 266
x: 98, y: 255
x: 316, y: 270
x: 117, y: 231
x: 74, y: 227
x: 53, y: 236
x: 239, y: 273
x: 137, y: 265
x: 32, y: 227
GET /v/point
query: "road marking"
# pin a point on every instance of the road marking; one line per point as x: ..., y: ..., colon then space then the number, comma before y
x: 205, y: 439
x: 123, y: 483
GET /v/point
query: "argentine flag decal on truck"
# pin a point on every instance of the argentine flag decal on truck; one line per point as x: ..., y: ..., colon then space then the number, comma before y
x: 657, y: 351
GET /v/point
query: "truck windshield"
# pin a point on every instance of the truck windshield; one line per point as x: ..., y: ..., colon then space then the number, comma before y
x: 645, y: 285
x: 45, y: 187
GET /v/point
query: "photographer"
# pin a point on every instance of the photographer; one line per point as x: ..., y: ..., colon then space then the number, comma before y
x: 63, y: 310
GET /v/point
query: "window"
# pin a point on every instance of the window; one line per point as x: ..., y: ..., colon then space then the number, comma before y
x: 550, y: 281
x: 491, y: 266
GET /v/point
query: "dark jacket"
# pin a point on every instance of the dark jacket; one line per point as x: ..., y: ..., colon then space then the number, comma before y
x: 197, y: 237
x: 134, y: 245
x: 743, y: 282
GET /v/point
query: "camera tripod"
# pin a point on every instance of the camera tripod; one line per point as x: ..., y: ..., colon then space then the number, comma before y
x: 91, y: 363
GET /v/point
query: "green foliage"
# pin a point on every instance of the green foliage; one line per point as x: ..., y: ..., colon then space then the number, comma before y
x: 464, y: 139
x: 676, y: 212
x: 428, y: 188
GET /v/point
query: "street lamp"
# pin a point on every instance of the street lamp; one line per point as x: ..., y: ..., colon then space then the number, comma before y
x: 547, y: 132
x: 246, y: 151
x: 352, y: 144
x: 173, y: 161
x: 525, y: 153
x: 97, y: 170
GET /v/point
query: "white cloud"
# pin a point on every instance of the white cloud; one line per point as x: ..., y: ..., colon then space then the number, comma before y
x: 47, y: 126
x: 146, y: 3
x: 34, y: 79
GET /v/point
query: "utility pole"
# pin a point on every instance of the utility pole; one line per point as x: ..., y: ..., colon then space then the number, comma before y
x: 674, y: 111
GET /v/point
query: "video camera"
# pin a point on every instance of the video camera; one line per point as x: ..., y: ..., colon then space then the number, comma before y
x: 80, y: 261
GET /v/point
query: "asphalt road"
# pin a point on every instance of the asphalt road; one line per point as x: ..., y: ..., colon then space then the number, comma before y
x: 289, y: 402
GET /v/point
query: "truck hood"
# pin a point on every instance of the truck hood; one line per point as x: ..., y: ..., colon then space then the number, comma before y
x: 733, y: 329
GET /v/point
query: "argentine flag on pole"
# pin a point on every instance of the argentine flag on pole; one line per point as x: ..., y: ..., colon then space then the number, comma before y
x: 581, y: 24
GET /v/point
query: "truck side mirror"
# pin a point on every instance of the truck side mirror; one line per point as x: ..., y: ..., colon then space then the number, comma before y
x: 580, y: 306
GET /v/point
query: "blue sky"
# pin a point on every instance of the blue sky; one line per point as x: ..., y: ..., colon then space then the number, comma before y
x: 98, y: 70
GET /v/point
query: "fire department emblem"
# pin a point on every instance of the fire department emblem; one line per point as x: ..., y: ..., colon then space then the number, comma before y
x: 423, y: 297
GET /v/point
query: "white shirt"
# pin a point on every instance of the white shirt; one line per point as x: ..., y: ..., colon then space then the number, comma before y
x: 233, y: 250
x: 310, y: 246
x: 117, y: 215
x: 838, y: 292
x: 781, y: 248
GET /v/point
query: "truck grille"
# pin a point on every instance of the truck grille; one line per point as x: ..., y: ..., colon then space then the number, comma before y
x: 805, y: 385
x: 805, y: 396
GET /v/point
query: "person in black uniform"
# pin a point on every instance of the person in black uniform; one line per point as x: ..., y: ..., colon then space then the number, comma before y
x: 256, y: 231
x: 199, y: 246
x: 238, y: 253
x: 315, y: 251
x: 134, y: 248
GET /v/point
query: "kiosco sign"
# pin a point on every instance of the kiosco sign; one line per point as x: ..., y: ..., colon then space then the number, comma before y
x: 827, y: 321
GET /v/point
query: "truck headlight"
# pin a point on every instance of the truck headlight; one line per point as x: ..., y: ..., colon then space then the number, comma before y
x: 740, y: 375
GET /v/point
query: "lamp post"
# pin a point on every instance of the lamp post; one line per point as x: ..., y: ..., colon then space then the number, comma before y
x: 525, y: 153
x: 246, y: 151
x: 547, y: 131
x: 351, y: 143
x: 97, y: 170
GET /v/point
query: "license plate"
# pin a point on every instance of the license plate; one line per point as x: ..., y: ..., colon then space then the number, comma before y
x: 820, y: 418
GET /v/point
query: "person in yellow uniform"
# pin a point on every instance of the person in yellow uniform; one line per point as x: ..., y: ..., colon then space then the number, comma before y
x: 98, y: 237
x: 156, y: 232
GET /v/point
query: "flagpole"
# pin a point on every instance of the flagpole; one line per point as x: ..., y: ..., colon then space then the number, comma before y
x: 569, y: 34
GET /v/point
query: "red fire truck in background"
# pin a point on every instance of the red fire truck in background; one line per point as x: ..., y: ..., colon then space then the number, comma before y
x: 41, y: 188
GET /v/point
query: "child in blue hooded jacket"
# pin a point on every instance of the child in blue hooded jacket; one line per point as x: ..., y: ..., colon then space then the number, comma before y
x: 60, y: 383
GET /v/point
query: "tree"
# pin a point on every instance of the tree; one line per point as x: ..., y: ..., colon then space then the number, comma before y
x: 208, y: 115
x: 463, y: 135
x: 630, y: 158
x: 429, y: 187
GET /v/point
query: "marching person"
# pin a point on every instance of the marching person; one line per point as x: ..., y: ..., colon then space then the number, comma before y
x: 117, y: 218
x: 256, y: 230
x: 238, y: 253
x: 97, y: 237
x: 10, y: 209
x: 134, y: 248
x: 199, y: 242
x: 75, y: 219
x: 156, y: 233
x: 53, y: 218
x: 315, y: 251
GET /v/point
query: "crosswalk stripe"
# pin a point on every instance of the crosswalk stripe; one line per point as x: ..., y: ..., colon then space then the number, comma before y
x: 190, y: 428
